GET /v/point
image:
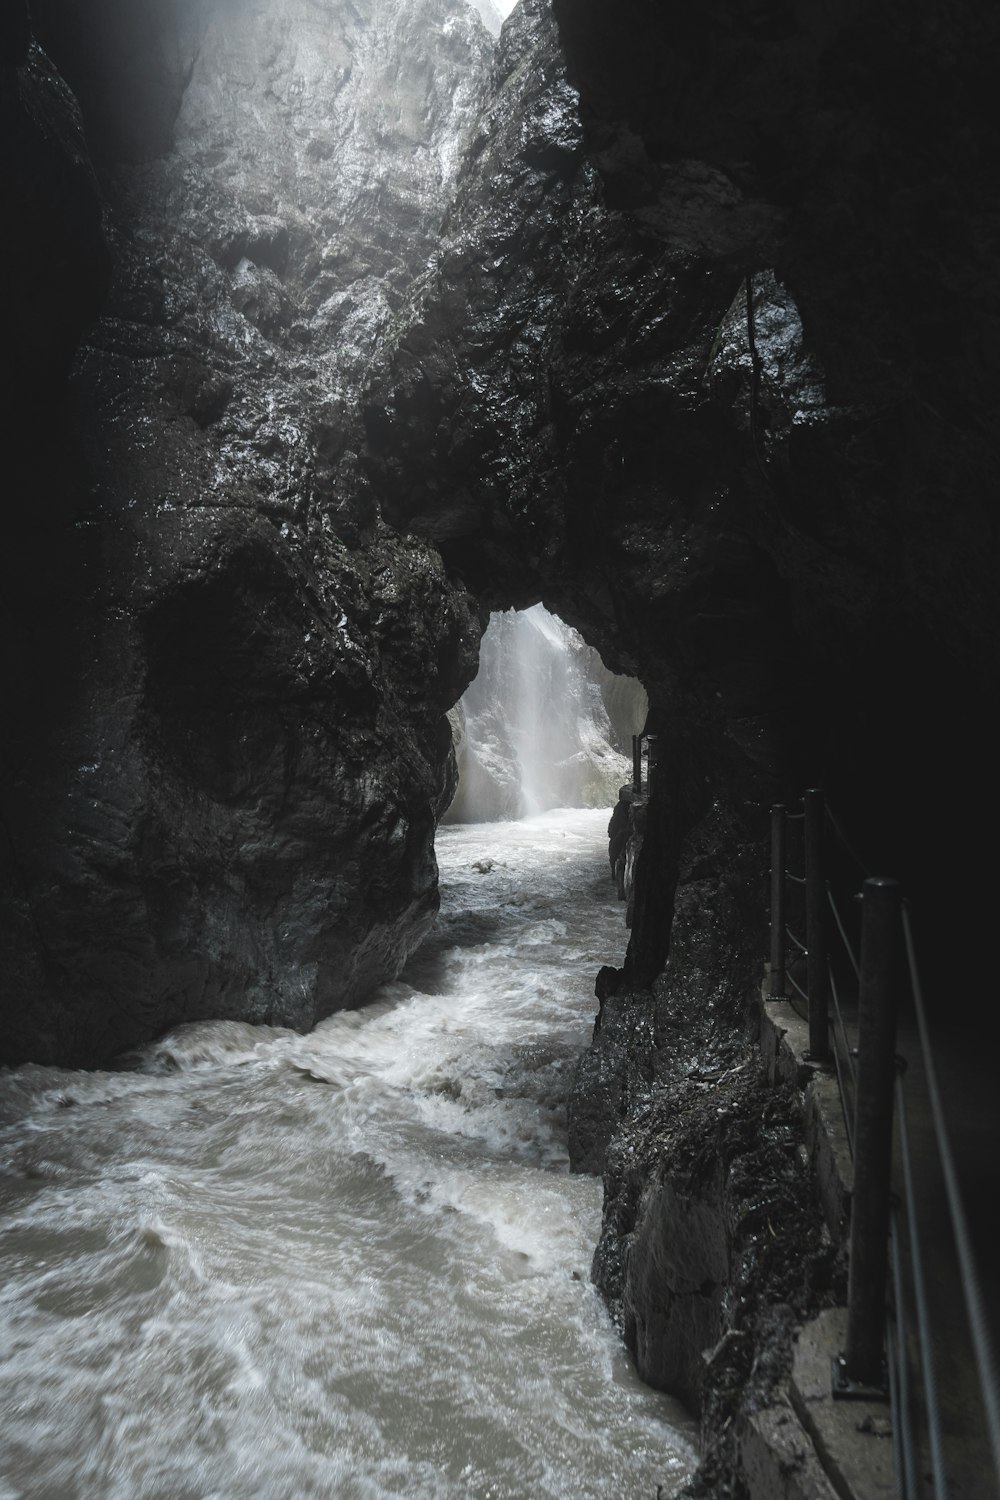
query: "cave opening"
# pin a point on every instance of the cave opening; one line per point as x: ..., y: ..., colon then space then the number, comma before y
x: 544, y: 724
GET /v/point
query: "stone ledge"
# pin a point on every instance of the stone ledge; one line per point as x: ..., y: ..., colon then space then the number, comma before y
x: 784, y: 1046
x: 852, y: 1439
x: 807, y: 1446
x: 778, y: 1458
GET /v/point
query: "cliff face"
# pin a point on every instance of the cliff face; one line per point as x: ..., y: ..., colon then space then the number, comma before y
x: 707, y: 362
x: 702, y: 362
x: 850, y: 151
x: 622, y: 376
x: 572, y: 413
x: 682, y: 320
x: 227, y: 741
x: 650, y: 354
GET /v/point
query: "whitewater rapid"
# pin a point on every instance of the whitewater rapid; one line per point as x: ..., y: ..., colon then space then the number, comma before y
x: 351, y: 1264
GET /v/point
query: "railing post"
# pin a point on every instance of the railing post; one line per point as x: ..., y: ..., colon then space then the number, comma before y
x: 637, y: 764
x: 819, y: 1023
x: 776, y: 990
x: 880, y: 947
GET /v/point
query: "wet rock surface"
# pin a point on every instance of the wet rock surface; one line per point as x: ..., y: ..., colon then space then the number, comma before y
x: 692, y: 1014
x: 673, y: 384
x: 228, y: 746
x: 684, y: 369
x: 713, y: 1251
x: 684, y: 322
x: 713, y: 1248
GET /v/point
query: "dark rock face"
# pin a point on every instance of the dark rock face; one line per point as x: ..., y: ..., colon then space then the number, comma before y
x: 768, y: 508
x: 713, y: 1248
x: 58, y: 262
x: 569, y: 412
x: 702, y: 364
x: 868, y: 135
x: 228, y: 746
x: 696, y: 342
x: 690, y: 1017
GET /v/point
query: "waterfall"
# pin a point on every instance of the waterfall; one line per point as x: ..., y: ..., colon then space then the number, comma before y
x: 544, y: 725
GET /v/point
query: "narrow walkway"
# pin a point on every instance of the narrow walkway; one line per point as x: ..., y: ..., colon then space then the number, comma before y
x: 842, y: 1431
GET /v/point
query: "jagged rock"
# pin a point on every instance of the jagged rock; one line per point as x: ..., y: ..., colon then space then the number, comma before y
x: 704, y: 355
x: 221, y: 802
x: 713, y: 1247
x: 550, y: 419
x: 576, y: 411
x: 868, y: 138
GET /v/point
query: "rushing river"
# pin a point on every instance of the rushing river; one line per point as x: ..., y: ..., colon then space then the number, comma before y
x: 351, y: 1264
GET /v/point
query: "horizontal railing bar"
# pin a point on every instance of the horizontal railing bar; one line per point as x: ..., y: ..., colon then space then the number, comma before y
x: 920, y: 1299
x: 909, y: 1296
x: 906, y: 1480
x: 796, y: 986
x: 974, y: 1302
x: 796, y: 940
x: 840, y: 928
x: 842, y: 836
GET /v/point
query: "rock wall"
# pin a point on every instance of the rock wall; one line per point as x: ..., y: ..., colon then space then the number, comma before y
x: 679, y: 367
x: 683, y: 319
x: 702, y: 361
x: 850, y: 152
x: 569, y: 411
x: 227, y: 679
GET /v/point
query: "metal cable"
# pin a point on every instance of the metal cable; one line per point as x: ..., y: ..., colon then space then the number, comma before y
x: 798, y: 879
x: 920, y: 1299
x: 796, y: 940
x: 899, y: 1482
x: 848, y: 1124
x: 842, y: 836
x: 975, y: 1306
x: 840, y: 1019
x: 797, y: 987
x: 840, y: 928
x: 838, y: 1064
x: 902, y: 1423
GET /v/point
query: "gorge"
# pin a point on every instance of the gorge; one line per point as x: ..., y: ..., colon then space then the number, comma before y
x: 349, y: 1263
x: 333, y: 328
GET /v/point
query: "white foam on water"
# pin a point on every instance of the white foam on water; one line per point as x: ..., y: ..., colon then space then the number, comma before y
x: 348, y: 1264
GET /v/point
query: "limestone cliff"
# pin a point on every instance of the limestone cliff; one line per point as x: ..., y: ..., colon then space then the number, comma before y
x: 706, y: 362
x: 227, y: 744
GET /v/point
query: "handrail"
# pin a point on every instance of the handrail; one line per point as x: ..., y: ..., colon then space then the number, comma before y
x: 874, y: 1077
x: 920, y: 1297
x: 986, y: 1364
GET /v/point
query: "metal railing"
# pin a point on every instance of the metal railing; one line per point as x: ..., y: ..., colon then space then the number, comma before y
x: 887, y: 1251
